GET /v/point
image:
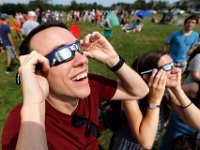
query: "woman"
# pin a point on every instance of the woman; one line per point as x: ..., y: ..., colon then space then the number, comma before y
x: 146, y: 119
x: 177, y: 127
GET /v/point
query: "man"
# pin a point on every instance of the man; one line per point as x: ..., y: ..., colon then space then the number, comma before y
x: 7, y: 41
x: 181, y: 43
x: 60, y: 103
x: 17, y: 26
x: 30, y: 24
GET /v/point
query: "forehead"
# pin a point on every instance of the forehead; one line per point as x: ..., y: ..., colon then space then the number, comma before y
x: 49, y: 39
x: 165, y: 59
x: 191, y: 20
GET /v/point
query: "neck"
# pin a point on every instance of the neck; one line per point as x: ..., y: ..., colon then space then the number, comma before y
x: 64, y: 105
x: 187, y: 31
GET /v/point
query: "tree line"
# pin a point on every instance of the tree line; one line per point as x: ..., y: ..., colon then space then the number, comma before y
x: 11, y: 8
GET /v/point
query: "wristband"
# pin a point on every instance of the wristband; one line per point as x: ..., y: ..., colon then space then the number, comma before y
x: 183, y: 107
x: 118, y: 65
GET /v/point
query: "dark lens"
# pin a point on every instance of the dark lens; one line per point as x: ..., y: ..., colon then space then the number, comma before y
x: 78, y: 120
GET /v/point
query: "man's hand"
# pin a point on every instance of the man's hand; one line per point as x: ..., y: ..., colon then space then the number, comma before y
x: 98, y: 48
x: 34, y: 85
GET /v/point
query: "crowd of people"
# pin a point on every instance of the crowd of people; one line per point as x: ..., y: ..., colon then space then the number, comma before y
x: 60, y: 109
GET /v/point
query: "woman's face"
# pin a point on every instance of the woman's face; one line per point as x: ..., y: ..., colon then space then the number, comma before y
x: 172, y: 75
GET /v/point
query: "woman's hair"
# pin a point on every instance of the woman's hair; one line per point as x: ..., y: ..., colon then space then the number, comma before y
x: 25, y: 46
x: 148, y: 60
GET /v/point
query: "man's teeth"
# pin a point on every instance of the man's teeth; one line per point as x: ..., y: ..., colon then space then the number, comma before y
x: 79, y: 77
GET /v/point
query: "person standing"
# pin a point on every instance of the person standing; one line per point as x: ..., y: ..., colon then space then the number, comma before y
x: 17, y: 27
x: 180, y: 42
x: 30, y: 24
x: 7, y: 41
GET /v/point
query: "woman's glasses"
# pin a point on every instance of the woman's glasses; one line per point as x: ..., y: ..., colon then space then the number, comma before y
x: 166, y: 67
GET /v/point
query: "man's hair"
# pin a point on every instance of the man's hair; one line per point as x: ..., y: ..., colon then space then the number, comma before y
x: 25, y: 46
x: 148, y: 60
x: 192, y: 17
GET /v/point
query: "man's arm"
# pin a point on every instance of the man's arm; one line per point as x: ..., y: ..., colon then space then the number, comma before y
x: 130, y: 84
x: 35, y: 89
x: 195, y: 75
x: 32, y: 130
x: 11, y: 41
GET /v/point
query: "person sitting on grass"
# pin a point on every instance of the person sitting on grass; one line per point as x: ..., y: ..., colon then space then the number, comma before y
x: 177, y: 128
x: 145, y: 119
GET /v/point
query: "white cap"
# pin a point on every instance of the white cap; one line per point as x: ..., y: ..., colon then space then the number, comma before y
x: 31, y: 13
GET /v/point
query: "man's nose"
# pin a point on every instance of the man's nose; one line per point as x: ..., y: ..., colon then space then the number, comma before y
x: 80, y: 59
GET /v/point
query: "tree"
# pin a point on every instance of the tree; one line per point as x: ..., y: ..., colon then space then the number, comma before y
x: 161, y: 5
x: 74, y: 5
x: 140, y: 4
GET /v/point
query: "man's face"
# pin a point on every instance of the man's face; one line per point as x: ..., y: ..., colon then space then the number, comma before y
x: 190, y: 24
x: 67, y: 80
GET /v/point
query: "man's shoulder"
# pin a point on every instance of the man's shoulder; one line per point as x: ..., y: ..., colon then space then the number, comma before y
x: 195, y: 33
x: 3, y: 27
x: 177, y: 32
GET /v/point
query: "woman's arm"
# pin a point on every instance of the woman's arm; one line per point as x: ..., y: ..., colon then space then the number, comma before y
x: 145, y: 126
x: 187, y: 111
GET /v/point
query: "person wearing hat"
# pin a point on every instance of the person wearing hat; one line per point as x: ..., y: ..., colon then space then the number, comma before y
x: 7, y: 41
x: 30, y: 24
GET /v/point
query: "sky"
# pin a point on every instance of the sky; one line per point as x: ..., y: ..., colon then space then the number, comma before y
x: 67, y: 2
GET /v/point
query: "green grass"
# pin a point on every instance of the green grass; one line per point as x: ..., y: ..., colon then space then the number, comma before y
x: 128, y: 45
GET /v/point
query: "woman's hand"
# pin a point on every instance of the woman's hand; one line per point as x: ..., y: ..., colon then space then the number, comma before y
x: 156, y: 85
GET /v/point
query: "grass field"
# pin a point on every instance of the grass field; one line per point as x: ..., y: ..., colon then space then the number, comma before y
x: 128, y: 45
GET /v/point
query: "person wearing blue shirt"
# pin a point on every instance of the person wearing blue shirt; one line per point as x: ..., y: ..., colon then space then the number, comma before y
x: 7, y: 41
x: 180, y: 42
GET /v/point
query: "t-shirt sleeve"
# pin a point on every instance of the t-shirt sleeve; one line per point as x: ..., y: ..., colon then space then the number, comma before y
x: 103, y: 87
x: 11, y: 129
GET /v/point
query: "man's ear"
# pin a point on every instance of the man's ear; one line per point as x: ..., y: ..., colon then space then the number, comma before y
x: 146, y: 77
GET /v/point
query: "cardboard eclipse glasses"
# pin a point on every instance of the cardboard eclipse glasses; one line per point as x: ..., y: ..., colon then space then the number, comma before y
x: 63, y: 54
x: 58, y: 56
x: 166, y: 67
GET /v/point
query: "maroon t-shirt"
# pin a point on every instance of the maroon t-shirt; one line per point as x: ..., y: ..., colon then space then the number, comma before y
x: 60, y: 131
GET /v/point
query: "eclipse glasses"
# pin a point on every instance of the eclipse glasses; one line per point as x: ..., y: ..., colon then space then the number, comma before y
x: 63, y: 54
x: 166, y: 67
x: 58, y: 56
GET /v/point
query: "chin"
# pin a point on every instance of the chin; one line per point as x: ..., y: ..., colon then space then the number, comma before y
x: 83, y: 93
x: 171, y: 85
